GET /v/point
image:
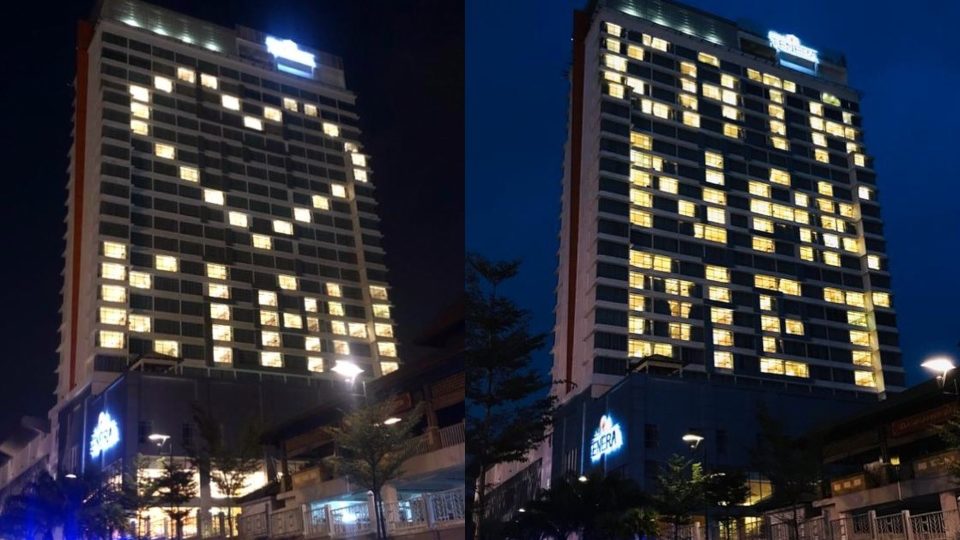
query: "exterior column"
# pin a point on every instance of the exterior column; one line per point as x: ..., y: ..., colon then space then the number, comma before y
x: 951, y: 519
x: 389, y: 501
x: 907, y: 524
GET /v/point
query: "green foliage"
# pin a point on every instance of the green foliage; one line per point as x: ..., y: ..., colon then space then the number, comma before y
x: 792, y: 464
x: 509, y: 410
x: 79, y: 507
x: 172, y: 491
x: 681, y: 490
x: 950, y: 434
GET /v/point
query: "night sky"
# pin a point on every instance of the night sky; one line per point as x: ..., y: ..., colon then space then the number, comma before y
x: 903, y: 60
x: 404, y: 60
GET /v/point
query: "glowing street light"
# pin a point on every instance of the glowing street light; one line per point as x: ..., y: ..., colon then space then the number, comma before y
x: 582, y: 479
x: 158, y: 438
x: 390, y: 421
x: 347, y: 368
x: 941, y: 365
x: 693, y: 439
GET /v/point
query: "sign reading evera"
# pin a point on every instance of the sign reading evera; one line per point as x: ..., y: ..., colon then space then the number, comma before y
x: 105, y: 434
x: 607, y: 439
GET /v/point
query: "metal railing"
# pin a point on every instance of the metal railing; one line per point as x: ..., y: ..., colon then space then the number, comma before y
x: 868, y: 526
x: 349, y: 520
x: 287, y: 522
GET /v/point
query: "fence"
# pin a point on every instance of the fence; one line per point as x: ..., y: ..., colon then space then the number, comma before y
x: 868, y: 526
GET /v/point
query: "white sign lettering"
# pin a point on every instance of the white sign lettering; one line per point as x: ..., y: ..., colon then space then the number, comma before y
x: 105, y: 434
x: 607, y: 439
x: 790, y: 44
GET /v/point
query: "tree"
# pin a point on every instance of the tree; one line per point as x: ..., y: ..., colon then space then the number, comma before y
x: 172, y: 491
x: 680, y: 492
x: 85, y: 507
x: 228, y: 464
x: 725, y: 490
x: 792, y: 464
x: 371, y: 451
x: 949, y: 433
x: 509, y: 410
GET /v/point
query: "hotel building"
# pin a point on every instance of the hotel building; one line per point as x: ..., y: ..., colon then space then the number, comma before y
x: 720, y: 210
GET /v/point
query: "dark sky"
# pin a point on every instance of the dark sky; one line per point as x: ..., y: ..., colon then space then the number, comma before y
x: 905, y: 62
x: 403, y: 58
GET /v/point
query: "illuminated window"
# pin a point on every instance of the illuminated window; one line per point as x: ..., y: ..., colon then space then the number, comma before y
x: 186, y: 75
x: 708, y: 59
x: 287, y: 283
x: 222, y: 332
x: 769, y: 344
x: 728, y: 81
x: 357, y: 330
x: 710, y: 232
x: 387, y: 349
x: 716, y: 215
x: 864, y: 193
x: 795, y: 369
x: 856, y: 318
x: 794, y: 327
x: 771, y: 365
x: 760, y: 224
x: 635, y: 325
x: 140, y: 280
x: 717, y: 273
x: 719, y: 294
x: 338, y: 190
x: 678, y: 287
x: 269, y: 318
x: 759, y: 189
x: 691, y: 119
x: 292, y: 320
x: 269, y: 338
x: 819, y: 139
x: 789, y: 286
x: 113, y: 271
x: 859, y: 337
x: 139, y: 93
x: 864, y: 378
x: 668, y: 185
x: 831, y: 258
x: 712, y: 91
x: 238, y: 219
x: 776, y: 96
x: 163, y: 84
x: 881, y: 299
x: 731, y: 113
x: 139, y: 110
x: 166, y: 263
x: 772, y: 80
x: 688, y: 69
x: 616, y: 90
x: 114, y: 250
x: 208, y: 81
x: 806, y: 253
x: 862, y: 358
x: 723, y: 359
x: 331, y: 130
x: 833, y: 295
x: 111, y: 340
x: 139, y: 127
x: 778, y: 176
x: 315, y: 364
x: 635, y: 302
x: 230, y: 102
x: 165, y: 151
x: 267, y: 298
x: 310, y: 305
x: 821, y: 155
x: 766, y: 302
x: 789, y: 86
x: 721, y: 315
x: 310, y: 110
x: 680, y: 309
x: 873, y: 262
x: 341, y: 347
x: 714, y: 177
x: 859, y: 160
x: 641, y: 218
x: 686, y: 208
x: 612, y: 29
x: 780, y: 143
x: 222, y: 355
x: 335, y: 308
x: 731, y: 130
x: 114, y: 316
x: 272, y: 113
x: 271, y: 359
x: 300, y: 214
x: 765, y: 282
x: 778, y: 128
x: 381, y: 311
x: 722, y: 338
x: 166, y: 347
x: 220, y: 312
x: 252, y: 123
x: 338, y: 327
x: 213, y: 196
x: 769, y: 324
x: 261, y: 241
x: 190, y: 174
x: 679, y: 331
x: 641, y: 198
x: 763, y: 244
x: 216, y: 271
x: 754, y: 75
x: 855, y: 298
x: 282, y: 227
x: 218, y: 290
x: 321, y: 202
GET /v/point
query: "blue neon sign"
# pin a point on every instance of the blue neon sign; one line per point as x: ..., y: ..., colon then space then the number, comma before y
x: 607, y: 439
x: 106, y: 434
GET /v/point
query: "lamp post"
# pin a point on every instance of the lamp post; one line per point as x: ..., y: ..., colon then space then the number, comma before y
x: 693, y: 440
x: 349, y: 371
x: 942, y: 365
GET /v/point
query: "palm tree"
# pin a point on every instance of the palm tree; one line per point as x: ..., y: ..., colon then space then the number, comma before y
x: 86, y: 507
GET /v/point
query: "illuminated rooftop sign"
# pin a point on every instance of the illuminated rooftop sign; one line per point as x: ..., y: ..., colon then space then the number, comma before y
x: 607, y: 439
x: 790, y: 44
x: 105, y: 434
x: 288, y: 50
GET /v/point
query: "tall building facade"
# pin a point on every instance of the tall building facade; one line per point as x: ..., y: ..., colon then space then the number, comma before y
x: 719, y: 210
x: 221, y: 211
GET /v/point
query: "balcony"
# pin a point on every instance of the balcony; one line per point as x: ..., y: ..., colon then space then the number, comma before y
x: 884, y: 483
x: 426, y: 513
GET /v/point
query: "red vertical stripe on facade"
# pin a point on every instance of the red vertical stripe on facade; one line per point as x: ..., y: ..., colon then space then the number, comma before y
x: 84, y: 36
x: 581, y: 23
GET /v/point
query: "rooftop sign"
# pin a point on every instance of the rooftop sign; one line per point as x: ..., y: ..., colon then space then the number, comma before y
x: 288, y: 50
x: 790, y: 44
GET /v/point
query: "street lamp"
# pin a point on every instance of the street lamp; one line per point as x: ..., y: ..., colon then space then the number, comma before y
x: 349, y: 371
x: 582, y: 479
x: 941, y: 365
x: 693, y: 440
x: 391, y: 421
